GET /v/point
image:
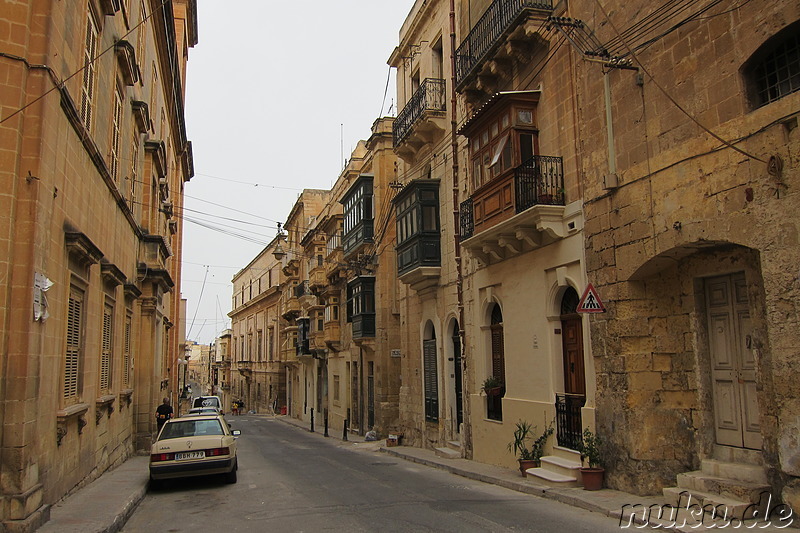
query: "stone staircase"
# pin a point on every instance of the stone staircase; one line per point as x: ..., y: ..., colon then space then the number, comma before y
x: 560, y: 469
x: 451, y: 451
x: 720, y: 486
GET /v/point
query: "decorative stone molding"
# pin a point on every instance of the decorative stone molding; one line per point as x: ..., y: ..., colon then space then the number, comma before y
x: 187, y: 160
x: 125, y: 398
x: 126, y: 59
x: 105, y: 402
x: 132, y: 292
x: 141, y: 115
x: 79, y: 245
x: 111, y: 274
x: 63, y: 417
x: 158, y: 151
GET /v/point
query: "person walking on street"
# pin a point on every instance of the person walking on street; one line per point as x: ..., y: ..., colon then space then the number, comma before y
x: 235, y: 408
x: 163, y: 413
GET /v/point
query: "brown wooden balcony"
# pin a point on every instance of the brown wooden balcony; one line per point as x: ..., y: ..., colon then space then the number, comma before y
x: 422, y: 120
x: 519, y: 210
x: 290, y: 305
x: 505, y: 34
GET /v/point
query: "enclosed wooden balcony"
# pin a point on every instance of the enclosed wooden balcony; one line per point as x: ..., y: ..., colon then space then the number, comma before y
x: 518, y: 211
x: 423, y: 119
x: 317, y: 279
x: 332, y: 335
x: 504, y: 37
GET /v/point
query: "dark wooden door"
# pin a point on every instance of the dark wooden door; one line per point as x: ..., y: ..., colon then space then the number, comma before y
x: 574, y: 373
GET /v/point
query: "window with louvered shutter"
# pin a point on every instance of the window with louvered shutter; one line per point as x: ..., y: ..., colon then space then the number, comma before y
x: 74, y: 345
x: 116, y: 124
x: 106, y: 348
x: 431, y: 380
x: 126, y: 356
x: 89, y: 53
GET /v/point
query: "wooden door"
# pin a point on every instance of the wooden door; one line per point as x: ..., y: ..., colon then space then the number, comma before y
x: 572, y: 345
x: 733, y: 366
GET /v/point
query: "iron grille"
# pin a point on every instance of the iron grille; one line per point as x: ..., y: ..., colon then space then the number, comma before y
x: 467, y: 220
x: 568, y: 420
x: 498, y: 18
x: 540, y: 180
x: 429, y: 97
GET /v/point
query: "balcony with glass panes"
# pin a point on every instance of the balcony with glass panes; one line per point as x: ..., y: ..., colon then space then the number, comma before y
x: 418, y: 238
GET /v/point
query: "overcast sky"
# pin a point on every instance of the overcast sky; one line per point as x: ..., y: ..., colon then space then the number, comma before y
x: 274, y: 91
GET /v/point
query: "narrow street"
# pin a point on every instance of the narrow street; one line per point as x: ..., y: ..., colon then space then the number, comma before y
x: 291, y: 480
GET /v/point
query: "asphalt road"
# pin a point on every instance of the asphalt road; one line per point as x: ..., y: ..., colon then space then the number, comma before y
x: 291, y: 480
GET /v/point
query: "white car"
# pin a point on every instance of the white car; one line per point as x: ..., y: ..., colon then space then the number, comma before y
x: 198, y: 445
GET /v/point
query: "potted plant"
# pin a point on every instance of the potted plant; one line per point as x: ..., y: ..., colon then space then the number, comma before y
x: 493, y: 386
x: 589, y: 448
x: 528, y: 456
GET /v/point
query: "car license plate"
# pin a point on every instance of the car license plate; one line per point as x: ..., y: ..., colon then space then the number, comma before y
x: 190, y: 455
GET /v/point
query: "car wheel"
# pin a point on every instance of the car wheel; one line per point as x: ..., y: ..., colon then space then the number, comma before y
x: 230, y: 477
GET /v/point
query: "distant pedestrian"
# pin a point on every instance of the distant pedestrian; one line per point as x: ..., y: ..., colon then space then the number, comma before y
x: 241, y: 406
x: 163, y: 413
x: 235, y: 408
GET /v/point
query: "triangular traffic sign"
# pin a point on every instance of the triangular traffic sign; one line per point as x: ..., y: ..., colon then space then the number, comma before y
x: 590, y: 301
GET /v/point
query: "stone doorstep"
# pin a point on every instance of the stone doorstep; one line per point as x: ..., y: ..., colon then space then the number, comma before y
x: 677, y: 496
x: 559, y: 480
x: 725, y: 487
x: 454, y: 445
x: 563, y: 466
x: 738, y: 471
x: 447, y: 453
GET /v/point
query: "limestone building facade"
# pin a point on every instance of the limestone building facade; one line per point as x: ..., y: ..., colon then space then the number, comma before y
x: 257, y: 374
x: 95, y: 158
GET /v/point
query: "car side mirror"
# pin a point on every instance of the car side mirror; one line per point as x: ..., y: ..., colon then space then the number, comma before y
x: 236, y: 432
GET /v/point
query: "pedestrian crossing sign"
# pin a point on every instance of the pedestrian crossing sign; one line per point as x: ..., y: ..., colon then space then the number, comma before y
x: 590, y: 301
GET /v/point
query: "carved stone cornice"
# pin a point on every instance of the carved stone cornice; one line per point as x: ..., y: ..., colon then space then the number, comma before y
x: 157, y: 149
x: 79, y: 245
x: 112, y: 274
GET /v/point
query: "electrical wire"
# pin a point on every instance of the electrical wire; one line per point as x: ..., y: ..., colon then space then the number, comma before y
x: 93, y: 60
x: 669, y: 96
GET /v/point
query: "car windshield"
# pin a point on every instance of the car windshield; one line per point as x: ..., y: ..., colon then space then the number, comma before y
x: 191, y: 428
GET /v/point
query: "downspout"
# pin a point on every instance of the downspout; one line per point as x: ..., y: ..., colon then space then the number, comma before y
x: 467, y: 439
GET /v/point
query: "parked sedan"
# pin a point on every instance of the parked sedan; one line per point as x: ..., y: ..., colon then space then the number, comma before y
x: 198, y: 445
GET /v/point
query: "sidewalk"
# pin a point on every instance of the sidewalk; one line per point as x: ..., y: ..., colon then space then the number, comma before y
x: 104, y: 505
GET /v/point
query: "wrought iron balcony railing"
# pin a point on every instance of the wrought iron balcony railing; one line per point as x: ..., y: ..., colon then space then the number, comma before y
x: 569, y: 433
x: 498, y: 18
x: 538, y: 181
x: 467, y: 219
x: 429, y: 97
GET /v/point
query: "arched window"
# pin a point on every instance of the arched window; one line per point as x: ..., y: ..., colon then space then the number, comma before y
x: 773, y: 71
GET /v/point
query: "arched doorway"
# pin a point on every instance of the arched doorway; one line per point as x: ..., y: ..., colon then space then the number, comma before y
x: 569, y: 404
x: 430, y: 374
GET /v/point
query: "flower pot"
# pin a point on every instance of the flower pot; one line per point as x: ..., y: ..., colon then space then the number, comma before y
x: 525, y: 464
x: 592, y: 478
x: 494, y: 391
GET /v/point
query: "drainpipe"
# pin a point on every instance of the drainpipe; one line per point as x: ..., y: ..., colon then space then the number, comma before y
x: 467, y: 446
x: 609, y: 181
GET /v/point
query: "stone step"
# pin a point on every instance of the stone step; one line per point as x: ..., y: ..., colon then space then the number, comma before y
x: 560, y: 465
x: 552, y: 477
x: 725, y: 487
x: 713, y: 504
x: 454, y: 445
x: 447, y: 453
x: 566, y: 453
x: 742, y: 472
